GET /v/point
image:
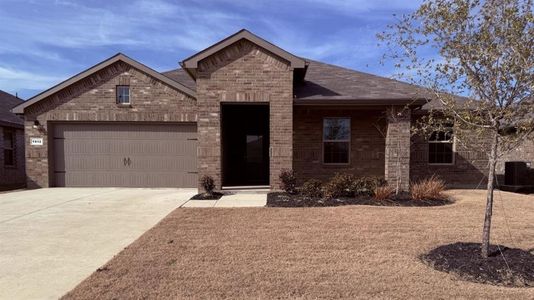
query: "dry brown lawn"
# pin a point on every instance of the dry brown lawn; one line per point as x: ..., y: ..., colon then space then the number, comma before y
x: 338, y: 252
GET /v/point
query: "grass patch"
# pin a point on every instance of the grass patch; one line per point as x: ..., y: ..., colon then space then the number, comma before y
x: 350, y: 252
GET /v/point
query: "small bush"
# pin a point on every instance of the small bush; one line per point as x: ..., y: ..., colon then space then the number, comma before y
x: 367, y: 185
x: 207, y: 183
x: 341, y: 185
x: 428, y: 189
x: 382, y: 193
x: 312, y: 188
x: 288, y: 181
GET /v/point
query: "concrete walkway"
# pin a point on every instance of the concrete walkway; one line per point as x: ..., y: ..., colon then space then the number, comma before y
x: 232, y: 200
x: 51, y: 239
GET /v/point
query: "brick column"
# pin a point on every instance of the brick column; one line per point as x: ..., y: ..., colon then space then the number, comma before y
x: 397, y: 152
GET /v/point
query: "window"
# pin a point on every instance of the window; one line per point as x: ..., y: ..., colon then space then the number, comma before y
x: 441, y: 148
x: 9, y: 147
x: 123, y: 94
x: 336, y: 140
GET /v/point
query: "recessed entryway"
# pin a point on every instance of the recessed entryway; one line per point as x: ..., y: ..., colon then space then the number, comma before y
x: 245, y: 144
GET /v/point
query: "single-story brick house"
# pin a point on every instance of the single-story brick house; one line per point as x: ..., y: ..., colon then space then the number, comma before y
x: 11, y: 144
x: 240, y: 111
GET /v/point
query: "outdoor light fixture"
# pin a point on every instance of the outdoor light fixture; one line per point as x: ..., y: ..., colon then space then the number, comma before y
x: 38, y: 126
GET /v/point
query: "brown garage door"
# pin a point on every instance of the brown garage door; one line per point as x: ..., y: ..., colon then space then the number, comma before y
x: 124, y: 155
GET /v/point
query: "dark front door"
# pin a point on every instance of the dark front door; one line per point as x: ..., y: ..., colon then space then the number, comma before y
x: 245, y: 144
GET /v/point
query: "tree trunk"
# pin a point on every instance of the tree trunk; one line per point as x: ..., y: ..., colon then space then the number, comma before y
x: 398, y: 171
x: 489, y: 196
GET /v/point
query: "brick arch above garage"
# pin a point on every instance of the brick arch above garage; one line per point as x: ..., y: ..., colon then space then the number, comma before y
x: 92, y: 98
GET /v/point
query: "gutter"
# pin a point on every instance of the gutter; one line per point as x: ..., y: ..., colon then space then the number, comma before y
x: 360, y: 102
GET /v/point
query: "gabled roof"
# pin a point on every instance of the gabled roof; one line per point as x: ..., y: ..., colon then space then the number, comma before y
x: 7, y: 102
x: 117, y: 57
x: 192, y: 61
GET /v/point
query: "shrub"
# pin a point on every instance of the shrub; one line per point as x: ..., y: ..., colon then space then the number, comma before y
x: 312, y: 188
x: 382, y: 193
x: 367, y: 185
x: 208, y: 184
x: 288, y: 181
x: 341, y: 185
x: 428, y: 189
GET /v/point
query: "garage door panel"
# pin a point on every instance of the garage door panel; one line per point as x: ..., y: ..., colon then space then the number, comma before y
x: 154, y: 164
x: 134, y: 179
x: 137, y: 155
x: 92, y: 162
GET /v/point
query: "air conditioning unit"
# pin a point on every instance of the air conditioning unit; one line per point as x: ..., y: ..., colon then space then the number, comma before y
x: 516, y: 173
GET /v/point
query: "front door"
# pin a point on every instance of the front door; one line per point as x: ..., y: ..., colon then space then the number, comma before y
x: 245, y: 144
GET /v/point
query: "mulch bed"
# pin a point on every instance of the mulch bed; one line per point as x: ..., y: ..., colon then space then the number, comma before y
x: 505, y: 266
x: 281, y: 199
x: 207, y: 196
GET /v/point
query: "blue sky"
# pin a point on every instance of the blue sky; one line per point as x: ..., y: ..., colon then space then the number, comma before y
x: 44, y: 42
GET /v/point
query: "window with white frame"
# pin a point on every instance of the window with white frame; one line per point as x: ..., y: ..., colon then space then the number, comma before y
x: 123, y: 94
x: 336, y: 140
x: 9, y: 147
x: 441, y: 148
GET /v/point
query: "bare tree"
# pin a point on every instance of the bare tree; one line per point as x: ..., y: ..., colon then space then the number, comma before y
x: 480, y: 49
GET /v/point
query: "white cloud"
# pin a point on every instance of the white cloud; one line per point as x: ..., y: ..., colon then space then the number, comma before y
x: 345, y: 7
x: 142, y: 23
x: 16, y: 80
x: 50, y: 31
x: 360, y: 6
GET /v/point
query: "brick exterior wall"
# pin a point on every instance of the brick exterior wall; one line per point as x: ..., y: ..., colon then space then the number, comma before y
x: 470, y: 166
x: 397, y: 152
x: 469, y: 169
x: 13, y: 176
x: 94, y: 99
x: 366, y: 147
x: 244, y: 73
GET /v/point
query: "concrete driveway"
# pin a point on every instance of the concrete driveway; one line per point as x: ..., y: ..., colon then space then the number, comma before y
x: 51, y: 239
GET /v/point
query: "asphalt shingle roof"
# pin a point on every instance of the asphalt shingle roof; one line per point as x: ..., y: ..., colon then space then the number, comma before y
x: 329, y: 82
x: 325, y: 81
x: 181, y: 76
x: 7, y: 102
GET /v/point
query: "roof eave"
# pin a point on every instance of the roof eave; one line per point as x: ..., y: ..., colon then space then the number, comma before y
x: 361, y: 102
x: 11, y: 124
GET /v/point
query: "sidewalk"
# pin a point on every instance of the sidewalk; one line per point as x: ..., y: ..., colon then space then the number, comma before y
x: 234, y: 200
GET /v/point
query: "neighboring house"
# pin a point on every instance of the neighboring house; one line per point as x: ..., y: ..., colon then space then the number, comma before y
x: 240, y: 111
x: 11, y: 144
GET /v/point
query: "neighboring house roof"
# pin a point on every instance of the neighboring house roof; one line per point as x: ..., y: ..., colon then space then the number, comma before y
x: 118, y: 57
x: 325, y: 83
x: 191, y: 62
x: 7, y: 118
